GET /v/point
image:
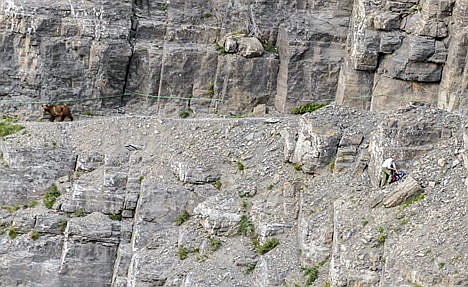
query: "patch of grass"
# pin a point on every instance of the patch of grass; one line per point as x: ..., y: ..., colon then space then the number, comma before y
x: 115, y: 216
x: 427, y: 252
x: 183, y: 253
x: 201, y: 258
x: 307, y: 108
x: 266, y: 247
x: 12, y: 232
x: 50, y: 196
x: 10, y: 208
x: 244, y: 205
x: 62, y: 225
x: 217, y: 184
x: 210, y: 89
x: 8, y: 128
x: 206, y: 15
x: 220, y: 49
x: 271, y: 49
x: 331, y: 165
x: 240, y: 165
x: 163, y: 6
x: 326, y: 284
x: 441, y: 265
x: 215, y: 244
x: 31, y: 204
x: 245, y: 226
x: 249, y: 268
x: 182, y: 217
x: 79, y: 212
x: 364, y: 222
x: 413, y: 200
x: 185, y: 113
x: 34, y: 235
x: 297, y: 166
x: 311, y: 273
x: 381, y: 237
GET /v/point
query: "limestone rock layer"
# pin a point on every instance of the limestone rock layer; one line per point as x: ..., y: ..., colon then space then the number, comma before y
x: 231, y: 56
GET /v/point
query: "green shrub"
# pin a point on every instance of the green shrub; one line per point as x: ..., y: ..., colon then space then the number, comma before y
x: 240, y: 165
x: 311, y: 273
x: 210, y: 89
x: 245, y: 226
x: 244, y: 205
x: 217, y: 184
x: 308, y: 108
x: 297, y: 166
x: 163, y: 6
x: 115, y: 216
x: 185, y: 113
x: 183, y: 253
x: 12, y: 232
x: 267, y: 246
x: 381, y: 237
x: 214, y: 244
x: 10, y: 208
x: 364, y: 222
x: 206, y: 15
x: 413, y: 200
x: 182, y: 217
x: 249, y: 268
x: 8, y: 128
x: 270, y: 48
x: 50, y: 196
x: 79, y: 212
x: 331, y: 165
x: 34, y: 235
x: 31, y: 204
x: 220, y: 49
x: 62, y: 225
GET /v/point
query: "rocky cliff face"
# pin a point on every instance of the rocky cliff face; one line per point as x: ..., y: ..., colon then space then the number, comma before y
x: 145, y: 201
x: 230, y: 56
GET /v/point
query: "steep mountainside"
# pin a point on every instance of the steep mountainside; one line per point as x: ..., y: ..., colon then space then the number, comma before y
x: 279, y: 201
x: 228, y: 56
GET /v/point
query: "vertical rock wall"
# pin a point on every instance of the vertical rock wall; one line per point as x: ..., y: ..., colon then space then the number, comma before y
x: 57, y: 50
x: 171, y: 56
x: 405, y: 51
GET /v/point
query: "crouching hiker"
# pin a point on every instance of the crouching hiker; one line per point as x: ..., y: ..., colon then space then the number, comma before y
x: 388, y: 168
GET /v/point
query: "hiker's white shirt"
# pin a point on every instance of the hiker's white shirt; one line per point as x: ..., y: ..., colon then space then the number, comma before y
x: 388, y: 163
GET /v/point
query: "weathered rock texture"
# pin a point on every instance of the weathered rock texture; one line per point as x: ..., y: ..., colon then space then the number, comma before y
x: 230, y: 56
x: 307, y: 182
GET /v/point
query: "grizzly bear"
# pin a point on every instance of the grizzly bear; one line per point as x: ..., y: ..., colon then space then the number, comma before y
x: 55, y: 111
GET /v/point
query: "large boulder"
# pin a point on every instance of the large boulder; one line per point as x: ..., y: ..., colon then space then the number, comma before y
x: 405, y: 190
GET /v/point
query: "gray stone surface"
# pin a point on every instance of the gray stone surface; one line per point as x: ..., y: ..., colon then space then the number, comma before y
x: 120, y: 210
x: 217, y: 57
x: 406, y: 190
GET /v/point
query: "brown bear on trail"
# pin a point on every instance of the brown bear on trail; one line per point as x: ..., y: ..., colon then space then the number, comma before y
x: 55, y: 111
